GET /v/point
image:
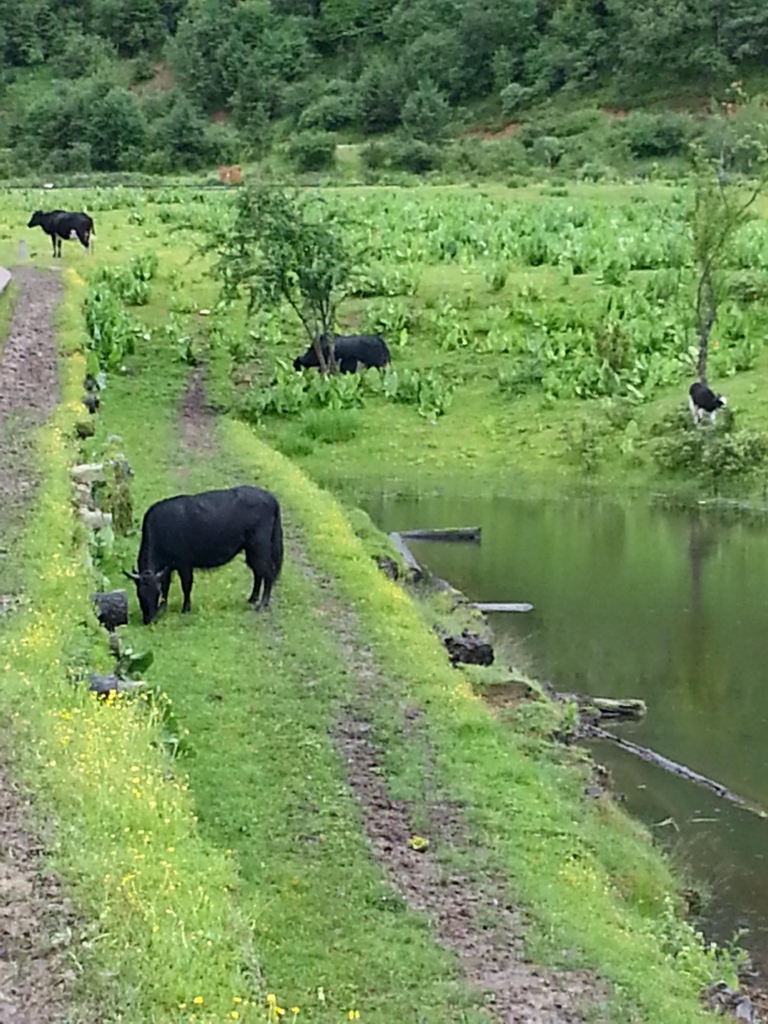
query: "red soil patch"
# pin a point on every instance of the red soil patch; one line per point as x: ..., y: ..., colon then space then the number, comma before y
x: 487, y: 136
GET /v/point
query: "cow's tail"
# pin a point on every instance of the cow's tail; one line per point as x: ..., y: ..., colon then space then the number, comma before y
x: 276, y: 544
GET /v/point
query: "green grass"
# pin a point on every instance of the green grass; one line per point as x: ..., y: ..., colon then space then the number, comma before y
x: 151, y: 889
x: 274, y: 869
x: 268, y: 785
x: 7, y: 305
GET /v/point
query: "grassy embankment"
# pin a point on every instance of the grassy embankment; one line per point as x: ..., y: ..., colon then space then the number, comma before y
x: 278, y: 840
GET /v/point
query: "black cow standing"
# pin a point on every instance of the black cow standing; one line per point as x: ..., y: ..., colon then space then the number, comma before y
x: 203, y: 531
x: 701, y: 400
x: 349, y: 350
x: 60, y: 225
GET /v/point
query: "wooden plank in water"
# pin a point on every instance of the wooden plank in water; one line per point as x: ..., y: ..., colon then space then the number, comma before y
x: 410, y: 561
x: 503, y: 606
x: 464, y: 534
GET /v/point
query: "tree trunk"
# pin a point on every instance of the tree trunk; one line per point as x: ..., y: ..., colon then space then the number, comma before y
x: 706, y: 314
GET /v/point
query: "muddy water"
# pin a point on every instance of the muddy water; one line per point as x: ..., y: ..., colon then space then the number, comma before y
x: 632, y: 600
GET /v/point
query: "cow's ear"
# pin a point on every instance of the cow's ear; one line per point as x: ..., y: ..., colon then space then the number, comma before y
x: 132, y: 576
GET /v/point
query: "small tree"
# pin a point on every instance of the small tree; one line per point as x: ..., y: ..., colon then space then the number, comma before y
x: 719, y: 207
x: 284, y: 248
x: 426, y: 112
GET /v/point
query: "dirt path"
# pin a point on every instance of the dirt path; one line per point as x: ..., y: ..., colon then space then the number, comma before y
x: 470, y: 912
x: 36, y: 921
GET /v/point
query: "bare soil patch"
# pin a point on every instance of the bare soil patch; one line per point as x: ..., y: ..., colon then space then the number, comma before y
x: 507, y: 132
x: 37, y: 922
x: 28, y: 393
x: 196, y: 420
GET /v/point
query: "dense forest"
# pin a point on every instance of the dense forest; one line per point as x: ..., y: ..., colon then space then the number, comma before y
x: 161, y: 85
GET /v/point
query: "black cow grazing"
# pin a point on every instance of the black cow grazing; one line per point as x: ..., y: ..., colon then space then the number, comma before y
x: 61, y: 226
x: 203, y: 531
x: 349, y: 350
x: 702, y: 399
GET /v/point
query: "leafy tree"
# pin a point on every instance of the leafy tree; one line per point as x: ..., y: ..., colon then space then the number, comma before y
x: 284, y: 248
x: 132, y: 25
x: 719, y: 207
x: 116, y: 129
x: 426, y: 112
x: 381, y: 92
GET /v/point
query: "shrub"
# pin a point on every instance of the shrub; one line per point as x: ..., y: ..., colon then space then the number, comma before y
x: 514, y: 98
x: 380, y: 89
x: 547, y: 150
x: 74, y: 158
x: 417, y: 156
x: 404, y: 154
x: 651, y: 135
x: 312, y: 151
x: 329, y: 113
x: 716, y: 452
x: 330, y: 425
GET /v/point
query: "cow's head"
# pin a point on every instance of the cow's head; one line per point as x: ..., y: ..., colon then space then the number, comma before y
x: 35, y: 219
x: 149, y: 589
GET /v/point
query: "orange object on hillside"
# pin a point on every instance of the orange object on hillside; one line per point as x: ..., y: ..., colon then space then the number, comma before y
x: 230, y: 175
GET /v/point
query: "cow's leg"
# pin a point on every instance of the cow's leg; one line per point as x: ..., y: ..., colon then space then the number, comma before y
x: 256, y: 588
x: 258, y: 556
x: 253, y: 563
x: 164, y: 588
x: 264, y: 603
x: 185, y: 575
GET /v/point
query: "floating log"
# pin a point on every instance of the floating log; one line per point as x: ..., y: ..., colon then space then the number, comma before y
x: 678, y: 769
x: 462, y: 534
x: 413, y: 567
x: 626, y: 707
x: 469, y: 649
x: 495, y: 606
x: 110, y: 684
x: 111, y: 608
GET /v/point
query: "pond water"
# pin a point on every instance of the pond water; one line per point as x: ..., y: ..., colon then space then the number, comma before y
x: 633, y: 600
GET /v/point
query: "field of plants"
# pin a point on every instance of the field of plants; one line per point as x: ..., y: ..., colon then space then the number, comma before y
x: 537, y: 329
x: 212, y: 828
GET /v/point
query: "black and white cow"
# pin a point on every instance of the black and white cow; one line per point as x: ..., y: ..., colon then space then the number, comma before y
x: 349, y: 350
x: 701, y: 400
x: 204, y: 531
x: 62, y: 226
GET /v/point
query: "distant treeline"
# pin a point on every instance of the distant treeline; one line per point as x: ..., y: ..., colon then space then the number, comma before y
x: 80, y: 89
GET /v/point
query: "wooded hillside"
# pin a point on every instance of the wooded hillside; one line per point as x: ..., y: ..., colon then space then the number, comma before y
x: 357, y: 67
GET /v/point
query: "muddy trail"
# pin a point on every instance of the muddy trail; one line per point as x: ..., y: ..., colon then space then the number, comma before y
x: 37, y: 922
x: 470, y: 912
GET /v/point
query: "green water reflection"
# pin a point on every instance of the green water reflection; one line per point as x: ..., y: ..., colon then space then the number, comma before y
x: 635, y: 600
